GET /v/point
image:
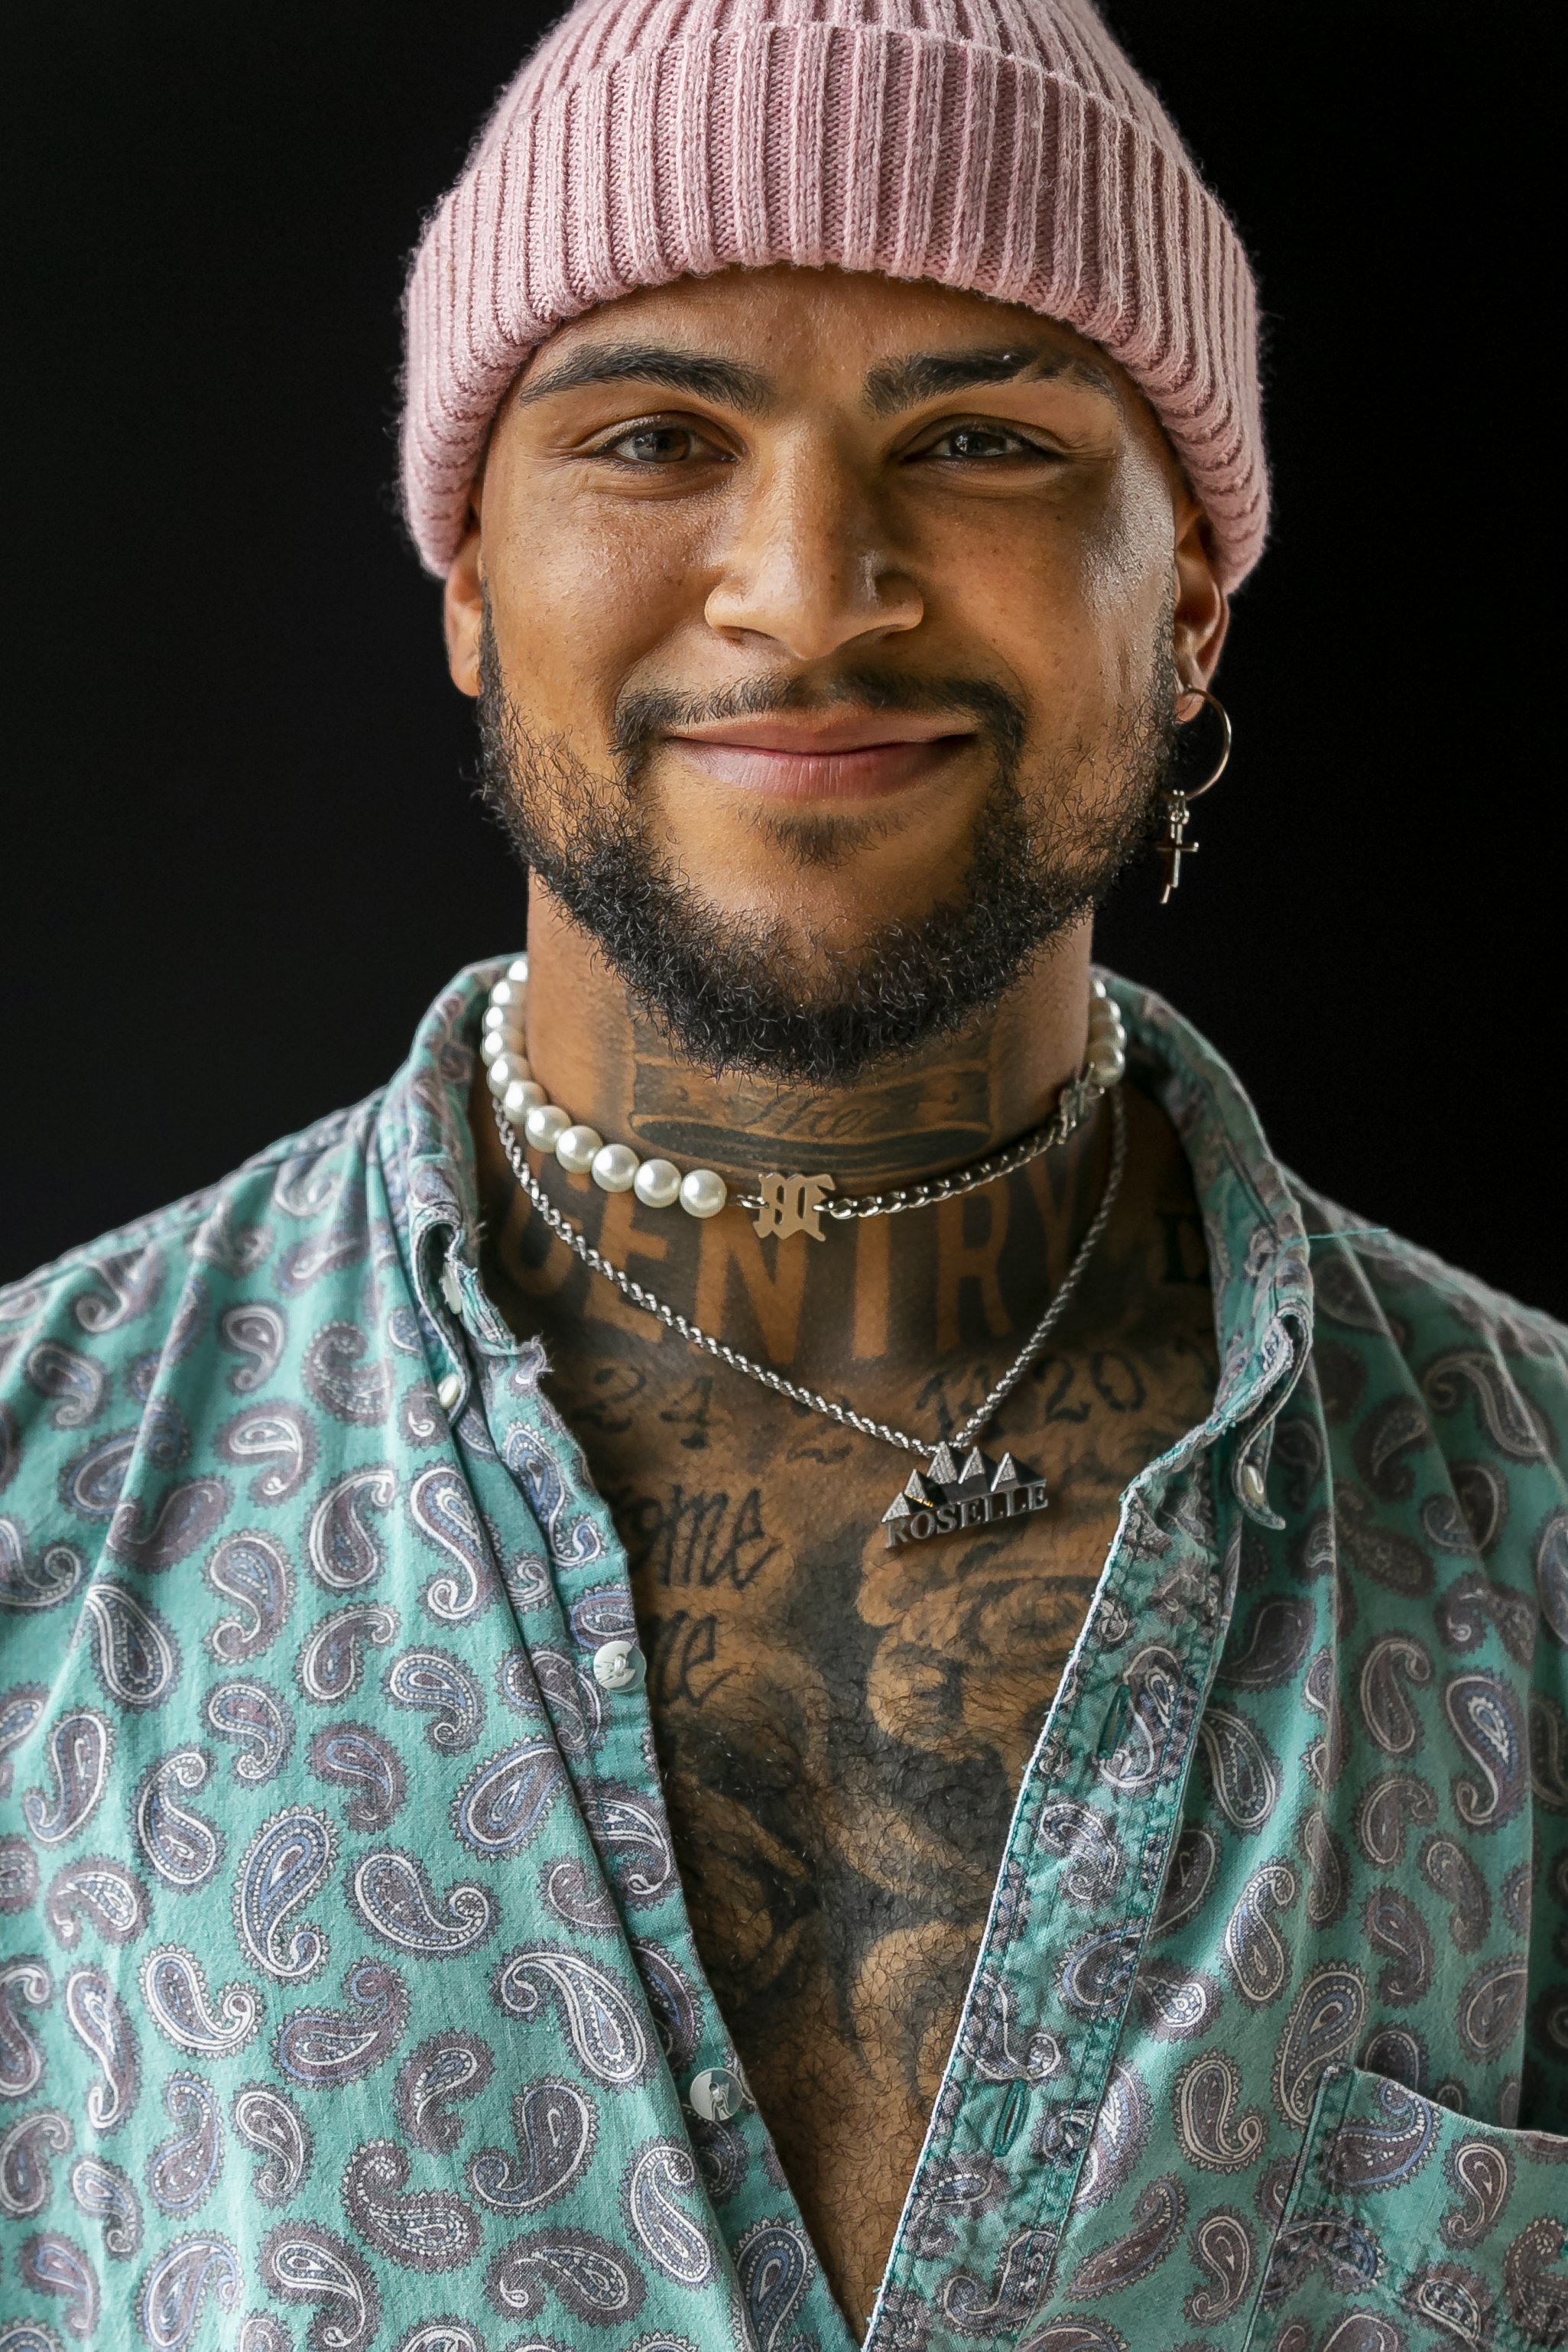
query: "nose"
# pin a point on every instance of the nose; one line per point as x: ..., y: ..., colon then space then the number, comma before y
x: 808, y: 570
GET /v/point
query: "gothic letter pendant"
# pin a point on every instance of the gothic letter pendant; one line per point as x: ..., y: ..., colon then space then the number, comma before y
x: 945, y: 1499
x: 793, y: 1204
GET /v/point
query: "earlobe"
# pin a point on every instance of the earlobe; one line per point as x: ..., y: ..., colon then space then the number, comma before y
x: 463, y: 612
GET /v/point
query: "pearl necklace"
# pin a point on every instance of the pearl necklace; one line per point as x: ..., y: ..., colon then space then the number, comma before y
x: 782, y: 1204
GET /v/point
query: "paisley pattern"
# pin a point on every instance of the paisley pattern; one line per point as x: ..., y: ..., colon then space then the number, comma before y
x: 343, y: 1543
x: 182, y: 1845
x: 57, y: 2266
x: 278, y: 1442
x: 102, y: 2023
x: 27, y: 2182
x: 555, y: 2126
x: 103, y: 2194
x: 428, y: 2231
x: 268, y: 2122
x: 349, y: 2000
x: 174, y: 1992
x: 502, y: 1808
x: 75, y: 1754
x: 260, y: 1722
x: 304, y: 2263
x: 197, y: 2278
x: 253, y: 1572
x: 602, y: 2021
x: 354, y: 1757
x: 391, y: 1893
x: 287, y: 1861
x: 582, y: 2272
x: 1340, y: 2240
x: 447, y: 2068
x: 183, y: 2173
x: 136, y: 1655
x: 323, y: 2049
x: 433, y: 1682
x: 98, y: 1893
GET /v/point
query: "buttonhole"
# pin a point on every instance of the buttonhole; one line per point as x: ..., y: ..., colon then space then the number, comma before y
x: 1011, y: 2119
x: 1115, y: 1722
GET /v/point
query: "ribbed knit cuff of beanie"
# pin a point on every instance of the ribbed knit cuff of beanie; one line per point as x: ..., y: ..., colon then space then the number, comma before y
x: 1007, y: 147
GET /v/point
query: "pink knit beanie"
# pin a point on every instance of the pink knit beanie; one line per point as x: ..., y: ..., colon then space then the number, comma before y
x: 1004, y: 146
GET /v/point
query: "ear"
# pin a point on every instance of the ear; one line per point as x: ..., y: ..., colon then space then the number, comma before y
x: 463, y: 609
x: 1202, y: 608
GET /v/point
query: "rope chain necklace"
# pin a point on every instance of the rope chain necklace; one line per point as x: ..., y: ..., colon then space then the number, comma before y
x: 947, y: 1494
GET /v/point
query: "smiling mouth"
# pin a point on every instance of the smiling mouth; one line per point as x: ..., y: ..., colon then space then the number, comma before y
x: 846, y: 760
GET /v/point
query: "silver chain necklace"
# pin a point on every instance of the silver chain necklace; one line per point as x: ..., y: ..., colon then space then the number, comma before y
x: 1073, y: 1105
x: 951, y: 1495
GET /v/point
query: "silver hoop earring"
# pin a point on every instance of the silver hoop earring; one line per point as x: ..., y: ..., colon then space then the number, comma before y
x: 1175, y: 845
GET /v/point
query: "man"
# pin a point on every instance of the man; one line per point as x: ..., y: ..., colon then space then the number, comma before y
x: 788, y: 1653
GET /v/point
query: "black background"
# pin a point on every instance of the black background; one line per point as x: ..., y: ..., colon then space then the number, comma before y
x: 241, y: 845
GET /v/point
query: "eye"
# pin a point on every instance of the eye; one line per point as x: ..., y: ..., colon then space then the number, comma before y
x: 974, y: 443
x: 658, y: 446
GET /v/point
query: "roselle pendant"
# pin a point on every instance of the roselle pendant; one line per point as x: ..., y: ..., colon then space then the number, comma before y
x: 945, y: 1500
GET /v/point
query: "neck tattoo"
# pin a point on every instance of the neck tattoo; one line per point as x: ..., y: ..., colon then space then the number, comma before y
x: 945, y: 1496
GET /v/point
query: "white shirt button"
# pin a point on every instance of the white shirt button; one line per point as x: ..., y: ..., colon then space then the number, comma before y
x: 448, y: 1389
x: 451, y: 1287
x: 1253, y: 1489
x: 717, y: 2096
x: 619, y: 1665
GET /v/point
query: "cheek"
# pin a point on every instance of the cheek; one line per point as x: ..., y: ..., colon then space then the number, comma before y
x: 1079, y: 602
x: 579, y: 598
x: 1129, y: 560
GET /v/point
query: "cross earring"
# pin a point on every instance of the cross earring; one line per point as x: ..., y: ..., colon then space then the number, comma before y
x: 1175, y: 845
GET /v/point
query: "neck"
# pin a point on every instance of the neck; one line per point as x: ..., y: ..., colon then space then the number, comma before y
x: 952, y: 1101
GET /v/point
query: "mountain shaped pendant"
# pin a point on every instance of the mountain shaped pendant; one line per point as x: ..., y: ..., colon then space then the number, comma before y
x: 944, y: 1500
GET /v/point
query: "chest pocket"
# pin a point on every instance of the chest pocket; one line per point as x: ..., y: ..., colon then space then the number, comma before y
x: 1409, y: 2228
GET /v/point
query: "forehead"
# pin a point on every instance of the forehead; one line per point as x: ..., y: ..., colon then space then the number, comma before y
x: 828, y: 325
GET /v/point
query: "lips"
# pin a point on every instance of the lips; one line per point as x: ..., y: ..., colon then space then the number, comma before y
x: 789, y: 758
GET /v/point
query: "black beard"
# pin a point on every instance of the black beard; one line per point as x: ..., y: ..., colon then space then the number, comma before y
x: 733, y: 992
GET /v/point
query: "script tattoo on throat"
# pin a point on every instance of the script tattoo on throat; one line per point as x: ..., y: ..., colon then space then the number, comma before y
x: 843, y: 1723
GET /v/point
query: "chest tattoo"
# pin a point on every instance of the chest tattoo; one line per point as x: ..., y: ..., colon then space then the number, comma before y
x: 842, y: 1726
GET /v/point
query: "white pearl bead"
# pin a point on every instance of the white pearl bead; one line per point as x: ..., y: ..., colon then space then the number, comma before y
x: 509, y: 992
x: 518, y: 970
x: 702, y: 1194
x: 1097, y: 988
x: 498, y: 1016
x: 658, y: 1184
x: 1108, y: 1065
x: 522, y: 1096
x: 503, y: 1070
x: 615, y: 1169
x: 545, y: 1125
x: 577, y: 1147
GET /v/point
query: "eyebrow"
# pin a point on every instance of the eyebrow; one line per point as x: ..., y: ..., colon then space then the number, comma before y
x: 891, y: 386
x: 894, y: 384
x: 728, y: 381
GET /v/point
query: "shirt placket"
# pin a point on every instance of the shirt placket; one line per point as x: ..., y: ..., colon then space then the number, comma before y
x: 1089, y: 1843
x: 587, y: 1619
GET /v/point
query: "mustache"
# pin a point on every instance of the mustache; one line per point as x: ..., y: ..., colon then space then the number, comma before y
x: 644, y: 715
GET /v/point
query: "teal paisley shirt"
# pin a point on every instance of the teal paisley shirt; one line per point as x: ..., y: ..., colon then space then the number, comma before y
x: 349, y: 2000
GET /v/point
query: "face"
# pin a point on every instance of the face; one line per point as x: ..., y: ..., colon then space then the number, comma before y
x: 828, y: 632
